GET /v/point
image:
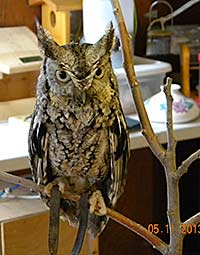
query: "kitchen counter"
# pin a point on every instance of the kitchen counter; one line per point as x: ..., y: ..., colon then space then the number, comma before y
x: 20, y: 216
x: 14, y: 149
x: 186, y: 131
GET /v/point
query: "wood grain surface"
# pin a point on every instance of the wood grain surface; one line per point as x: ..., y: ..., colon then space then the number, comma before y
x: 30, y: 236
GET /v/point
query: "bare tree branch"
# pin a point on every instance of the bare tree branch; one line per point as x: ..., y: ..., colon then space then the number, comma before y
x: 166, y: 157
x: 194, y: 220
x: 183, y: 168
x: 171, y: 142
x: 155, y: 241
x: 21, y: 181
x: 147, y: 130
x: 173, y: 207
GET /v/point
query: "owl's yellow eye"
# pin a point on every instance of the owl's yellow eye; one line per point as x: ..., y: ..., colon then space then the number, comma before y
x: 99, y: 73
x: 62, y: 76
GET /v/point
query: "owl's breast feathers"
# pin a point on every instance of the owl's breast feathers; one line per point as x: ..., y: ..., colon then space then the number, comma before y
x: 87, y: 143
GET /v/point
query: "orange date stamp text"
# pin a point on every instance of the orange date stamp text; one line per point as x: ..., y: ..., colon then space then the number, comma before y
x: 184, y: 228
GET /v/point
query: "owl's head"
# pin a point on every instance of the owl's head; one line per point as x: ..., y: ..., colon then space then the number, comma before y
x: 80, y: 63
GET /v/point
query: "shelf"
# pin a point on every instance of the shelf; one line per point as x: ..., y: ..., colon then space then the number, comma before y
x: 60, y: 5
x: 24, y: 228
x: 19, y: 50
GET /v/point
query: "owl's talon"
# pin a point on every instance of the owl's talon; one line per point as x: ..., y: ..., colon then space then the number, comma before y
x: 61, y: 184
x: 48, y: 188
x: 97, y: 204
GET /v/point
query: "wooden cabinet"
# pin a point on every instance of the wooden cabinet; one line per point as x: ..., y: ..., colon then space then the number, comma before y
x: 28, y: 235
x: 24, y: 230
x: 137, y: 203
x: 18, y: 13
x: 18, y: 86
x: 145, y: 201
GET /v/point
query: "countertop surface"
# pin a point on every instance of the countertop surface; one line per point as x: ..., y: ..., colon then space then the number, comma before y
x: 14, y: 156
x: 14, y: 136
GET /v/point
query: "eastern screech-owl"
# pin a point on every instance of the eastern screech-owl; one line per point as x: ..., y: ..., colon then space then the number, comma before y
x: 78, y: 136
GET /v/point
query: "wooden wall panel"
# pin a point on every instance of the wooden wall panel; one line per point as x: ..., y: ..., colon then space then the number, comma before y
x: 29, y: 235
x: 137, y: 203
x: 18, y: 13
x: 142, y: 7
x: 17, y: 86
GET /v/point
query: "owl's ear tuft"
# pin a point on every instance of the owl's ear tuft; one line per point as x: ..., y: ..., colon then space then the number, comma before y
x: 109, y: 36
x: 47, y: 45
x: 106, y: 42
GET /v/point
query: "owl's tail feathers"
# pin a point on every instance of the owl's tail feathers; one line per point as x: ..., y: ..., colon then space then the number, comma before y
x: 54, y: 220
x: 83, y: 223
x: 96, y: 225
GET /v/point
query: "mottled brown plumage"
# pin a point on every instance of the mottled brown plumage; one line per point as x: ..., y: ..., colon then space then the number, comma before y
x: 78, y: 137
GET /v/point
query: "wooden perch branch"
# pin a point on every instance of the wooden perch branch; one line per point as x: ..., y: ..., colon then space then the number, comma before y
x: 21, y: 181
x: 156, y: 242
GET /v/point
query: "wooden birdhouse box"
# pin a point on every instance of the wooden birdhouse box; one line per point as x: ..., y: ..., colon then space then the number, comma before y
x: 56, y: 17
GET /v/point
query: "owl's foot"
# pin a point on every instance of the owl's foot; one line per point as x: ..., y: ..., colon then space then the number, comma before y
x: 97, y: 204
x: 60, y: 182
x: 64, y: 188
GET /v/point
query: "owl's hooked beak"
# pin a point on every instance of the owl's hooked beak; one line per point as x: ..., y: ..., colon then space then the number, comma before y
x: 82, y: 84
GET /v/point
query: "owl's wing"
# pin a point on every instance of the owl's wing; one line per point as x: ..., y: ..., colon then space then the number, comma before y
x: 119, y: 153
x: 37, y: 145
x: 41, y: 172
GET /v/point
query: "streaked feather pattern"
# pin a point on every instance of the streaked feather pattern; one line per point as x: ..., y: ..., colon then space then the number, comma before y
x: 78, y: 133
